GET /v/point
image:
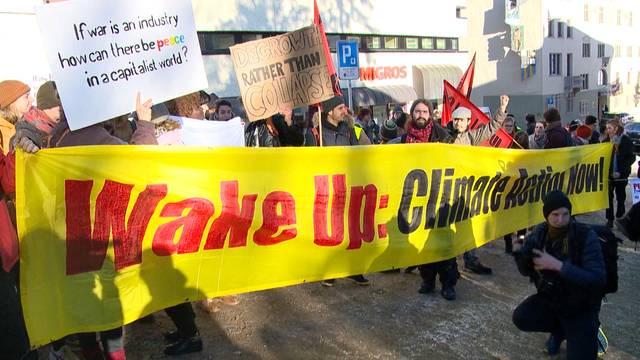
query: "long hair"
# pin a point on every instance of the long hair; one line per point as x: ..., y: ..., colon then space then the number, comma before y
x: 421, y: 101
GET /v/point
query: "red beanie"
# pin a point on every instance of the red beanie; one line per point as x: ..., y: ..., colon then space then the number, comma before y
x: 584, y: 132
x: 10, y: 91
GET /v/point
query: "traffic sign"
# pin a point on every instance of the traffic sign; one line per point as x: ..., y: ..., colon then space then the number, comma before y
x: 348, y: 64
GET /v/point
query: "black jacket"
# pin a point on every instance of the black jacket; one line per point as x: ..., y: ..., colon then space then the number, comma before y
x: 256, y: 134
x: 578, y: 286
x: 625, y: 157
x: 438, y: 135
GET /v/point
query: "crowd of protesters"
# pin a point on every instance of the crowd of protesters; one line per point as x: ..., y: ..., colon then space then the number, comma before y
x: 45, y: 126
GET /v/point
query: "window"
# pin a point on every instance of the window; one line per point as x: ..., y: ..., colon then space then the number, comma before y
x: 555, y: 64
x: 372, y: 42
x: 461, y: 12
x: 569, y: 64
x: 629, y: 78
x: 332, y: 40
x: 412, y: 43
x: 585, y: 81
x: 600, y: 50
x: 586, y: 50
x: 630, y: 51
x: 586, y: 12
x: 619, y: 18
x: 390, y: 42
x: 601, y: 15
x: 427, y: 43
x: 556, y: 101
x: 560, y: 29
x: 602, y: 77
x: 617, y: 51
x: 569, y: 103
x: 454, y: 44
x: 584, y: 108
x: 441, y: 44
x: 550, y: 28
x: 356, y: 39
x: 569, y: 31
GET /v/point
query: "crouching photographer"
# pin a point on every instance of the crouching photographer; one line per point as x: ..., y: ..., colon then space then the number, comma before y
x: 564, y: 260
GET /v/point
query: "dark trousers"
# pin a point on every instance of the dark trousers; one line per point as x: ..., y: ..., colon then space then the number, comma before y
x: 580, y: 330
x: 634, y: 217
x: 184, y: 318
x: 111, y: 341
x: 619, y: 188
x: 14, y: 342
x: 447, y: 269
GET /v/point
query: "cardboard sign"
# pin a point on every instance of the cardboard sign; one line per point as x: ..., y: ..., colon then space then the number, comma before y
x: 102, y: 52
x: 289, y: 69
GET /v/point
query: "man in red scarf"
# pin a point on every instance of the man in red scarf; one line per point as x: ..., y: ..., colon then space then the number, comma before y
x: 421, y: 128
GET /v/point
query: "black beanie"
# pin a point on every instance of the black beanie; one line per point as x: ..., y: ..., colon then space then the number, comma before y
x: 389, y: 130
x: 554, y: 200
x: 328, y: 105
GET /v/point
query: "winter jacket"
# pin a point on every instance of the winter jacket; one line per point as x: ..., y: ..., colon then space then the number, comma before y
x: 623, y: 153
x: 537, y: 142
x: 7, y: 130
x: 98, y: 135
x: 438, y: 135
x: 582, y: 277
x: 481, y: 133
x: 287, y: 135
x: 557, y: 136
x: 341, y: 135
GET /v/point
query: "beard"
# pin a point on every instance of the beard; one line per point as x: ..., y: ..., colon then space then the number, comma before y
x: 420, y: 123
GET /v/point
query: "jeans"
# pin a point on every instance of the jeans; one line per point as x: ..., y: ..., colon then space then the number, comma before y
x: 536, y: 314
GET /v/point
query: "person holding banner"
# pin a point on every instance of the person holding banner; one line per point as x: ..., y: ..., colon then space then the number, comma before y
x: 464, y: 136
x: 15, y: 101
x: 621, y: 161
x: 275, y: 131
x: 335, y: 131
x: 557, y: 136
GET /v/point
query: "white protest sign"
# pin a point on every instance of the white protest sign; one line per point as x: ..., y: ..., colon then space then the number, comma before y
x: 204, y: 133
x: 102, y: 52
x: 635, y: 190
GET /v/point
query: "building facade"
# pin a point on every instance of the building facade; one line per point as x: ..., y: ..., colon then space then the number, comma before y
x: 576, y: 55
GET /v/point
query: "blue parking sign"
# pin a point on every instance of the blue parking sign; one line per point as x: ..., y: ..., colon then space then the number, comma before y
x: 348, y: 64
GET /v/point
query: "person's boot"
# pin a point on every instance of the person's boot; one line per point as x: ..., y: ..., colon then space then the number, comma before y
x: 359, y: 279
x: 624, y: 225
x: 508, y: 246
x: 448, y: 292
x: 478, y: 268
x: 610, y: 224
x: 620, y: 211
x: 184, y: 345
x: 552, y: 345
x: 410, y: 269
x: 603, y: 343
x: 427, y: 287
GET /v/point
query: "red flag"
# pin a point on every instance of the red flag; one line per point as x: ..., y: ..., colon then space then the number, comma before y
x: 501, y: 139
x: 454, y: 99
x: 466, y: 82
x: 327, y: 53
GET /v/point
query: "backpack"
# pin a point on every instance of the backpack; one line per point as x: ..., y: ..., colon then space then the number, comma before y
x: 609, y: 245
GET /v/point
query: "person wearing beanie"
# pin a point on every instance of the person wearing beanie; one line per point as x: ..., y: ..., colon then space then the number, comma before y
x: 15, y: 101
x: 592, y: 122
x: 388, y: 131
x: 397, y: 111
x: 582, y: 135
x: 334, y: 130
x: 563, y: 258
x: 462, y: 135
x: 557, y: 136
x: 48, y: 110
x: 337, y: 125
x: 621, y: 162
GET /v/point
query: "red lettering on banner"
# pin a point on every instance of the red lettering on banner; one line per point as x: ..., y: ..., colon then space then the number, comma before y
x: 370, y: 196
x: 321, y: 209
x: 272, y: 221
x: 233, y: 220
x: 86, y: 252
x: 193, y: 225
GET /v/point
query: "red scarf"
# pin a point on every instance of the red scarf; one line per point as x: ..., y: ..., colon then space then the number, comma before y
x: 40, y: 120
x: 419, y: 136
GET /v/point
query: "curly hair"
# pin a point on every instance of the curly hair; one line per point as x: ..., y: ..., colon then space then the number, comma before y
x: 185, y: 106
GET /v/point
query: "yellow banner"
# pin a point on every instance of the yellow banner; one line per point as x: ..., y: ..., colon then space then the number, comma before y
x: 109, y: 234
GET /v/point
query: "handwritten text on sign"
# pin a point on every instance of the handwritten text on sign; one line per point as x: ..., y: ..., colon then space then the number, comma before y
x: 100, y: 50
x: 288, y: 69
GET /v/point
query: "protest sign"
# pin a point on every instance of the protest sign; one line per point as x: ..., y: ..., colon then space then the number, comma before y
x: 102, y: 52
x: 454, y: 99
x: 635, y: 190
x: 186, y: 131
x: 288, y: 69
x: 109, y: 234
